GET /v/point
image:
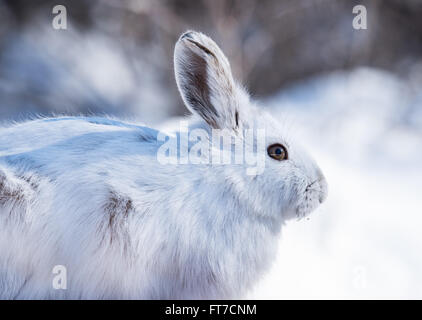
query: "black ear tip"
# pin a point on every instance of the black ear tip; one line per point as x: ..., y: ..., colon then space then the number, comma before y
x: 187, y: 35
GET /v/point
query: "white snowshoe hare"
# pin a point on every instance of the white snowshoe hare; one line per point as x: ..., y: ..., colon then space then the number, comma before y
x: 90, y: 194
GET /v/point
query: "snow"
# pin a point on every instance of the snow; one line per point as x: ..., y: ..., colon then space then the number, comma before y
x: 364, y: 128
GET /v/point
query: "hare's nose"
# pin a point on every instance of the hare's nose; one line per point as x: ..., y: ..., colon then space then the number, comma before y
x: 323, y: 190
x: 323, y: 186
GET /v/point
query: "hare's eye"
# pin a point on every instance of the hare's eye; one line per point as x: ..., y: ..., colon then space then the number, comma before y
x: 277, y: 152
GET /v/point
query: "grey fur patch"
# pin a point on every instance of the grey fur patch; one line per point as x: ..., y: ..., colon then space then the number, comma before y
x: 8, y: 193
x: 15, y: 197
x: 31, y: 181
x: 117, y: 209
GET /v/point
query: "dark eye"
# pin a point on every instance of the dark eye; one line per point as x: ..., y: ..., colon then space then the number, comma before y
x: 277, y: 152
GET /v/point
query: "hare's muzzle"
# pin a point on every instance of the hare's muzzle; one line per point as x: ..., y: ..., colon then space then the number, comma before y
x: 323, y: 186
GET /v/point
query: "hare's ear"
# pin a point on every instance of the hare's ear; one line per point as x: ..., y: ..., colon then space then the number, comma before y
x: 205, y: 80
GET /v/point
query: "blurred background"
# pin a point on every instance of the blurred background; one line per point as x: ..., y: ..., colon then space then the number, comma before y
x: 354, y: 97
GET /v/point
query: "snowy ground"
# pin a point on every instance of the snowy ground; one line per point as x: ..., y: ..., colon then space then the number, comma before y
x: 365, y: 130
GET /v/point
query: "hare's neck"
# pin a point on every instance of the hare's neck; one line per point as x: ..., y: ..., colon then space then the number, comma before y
x: 244, y: 242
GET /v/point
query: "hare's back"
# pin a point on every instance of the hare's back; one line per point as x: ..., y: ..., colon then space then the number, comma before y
x: 67, y: 132
x: 55, y: 147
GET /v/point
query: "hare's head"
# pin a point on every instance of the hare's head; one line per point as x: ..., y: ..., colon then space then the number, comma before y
x: 289, y: 184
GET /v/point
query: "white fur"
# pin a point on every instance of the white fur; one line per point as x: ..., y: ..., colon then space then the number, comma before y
x: 89, y: 194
